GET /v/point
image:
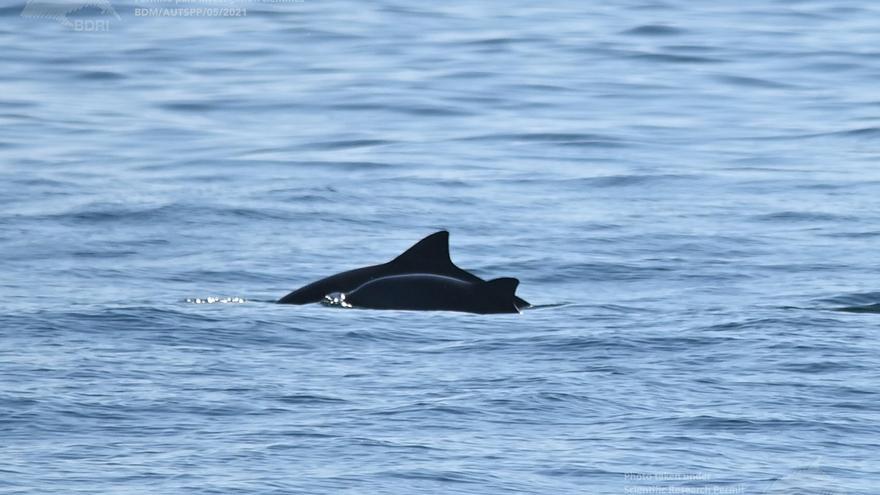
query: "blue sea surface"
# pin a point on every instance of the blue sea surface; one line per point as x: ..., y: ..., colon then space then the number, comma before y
x: 690, y: 191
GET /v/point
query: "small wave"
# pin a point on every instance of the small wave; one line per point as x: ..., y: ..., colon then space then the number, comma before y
x: 629, y: 180
x: 586, y: 473
x: 326, y: 35
x: 104, y: 253
x: 189, y: 106
x: 501, y: 41
x: 43, y: 182
x: 343, y: 165
x: 100, y: 75
x: 655, y: 30
x: 466, y: 74
x: 603, y: 271
x: 860, y: 302
x: 864, y: 132
x: 9, y: 104
x: 676, y: 59
x: 858, y: 133
x: 413, y: 11
x: 431, y: 409
x: 861, y: 132
x: 544, y: 88
x: 299, y: 195
x: 580, y: 343
x: 753, y: 82
x: 819, y: 367
x: 568, y: 140
x: 593, y: 144
x: 715, y: 423
x: 309, y: 399
x: 802, y: 216
x: 126, y: 317
x: 257, y: 214
x: 830, y: 67
x: 372, y: 442
x: 766, y: 323
x: 692, y: 48
x: 418, y: 110
x: 217, y: 104
x: 215, y: 300
x: 673, y: 343
x: 113, y: 212
x: 852, y: 235
x: 440, y: 476
x: 394, y: 335
x: 544, y: 137
x: 433, y: 111
x: 346, y: 144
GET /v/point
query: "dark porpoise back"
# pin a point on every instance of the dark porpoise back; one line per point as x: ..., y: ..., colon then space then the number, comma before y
x: 430, y: 255
x: 427, y: 292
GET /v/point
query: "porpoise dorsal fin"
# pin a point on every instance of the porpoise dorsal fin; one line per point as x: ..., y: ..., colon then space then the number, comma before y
x: 504, y: 287
x: 430, y: 255
x: 500, y: 295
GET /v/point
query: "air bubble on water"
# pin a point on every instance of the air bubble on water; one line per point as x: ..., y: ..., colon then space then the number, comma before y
x: 216, y: 300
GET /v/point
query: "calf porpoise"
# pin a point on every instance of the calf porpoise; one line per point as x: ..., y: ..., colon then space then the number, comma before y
x: 427, y: 292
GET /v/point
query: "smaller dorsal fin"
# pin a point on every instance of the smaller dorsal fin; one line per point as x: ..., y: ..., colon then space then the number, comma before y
x: 430, y: 255
x: 504, y: 287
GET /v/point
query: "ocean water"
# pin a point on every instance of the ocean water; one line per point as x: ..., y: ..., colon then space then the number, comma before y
x: 689, y: 189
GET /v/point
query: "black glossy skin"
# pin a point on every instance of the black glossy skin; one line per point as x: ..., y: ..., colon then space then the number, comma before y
x: 430, y: 255
x: 341, y: 282
x: 428, y: 292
